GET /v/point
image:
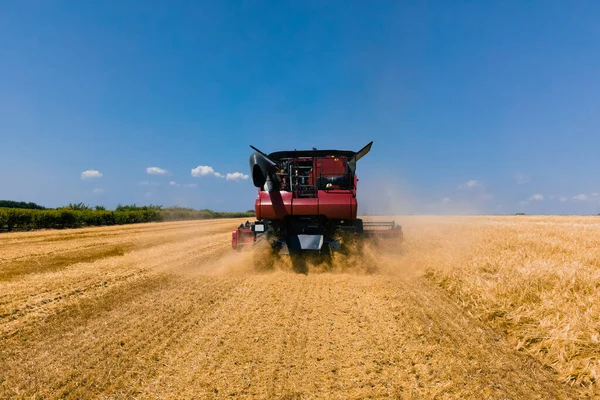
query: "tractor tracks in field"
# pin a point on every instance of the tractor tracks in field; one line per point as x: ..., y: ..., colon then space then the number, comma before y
x: 38, y: 295
x: 33, y: 252
x: 284, y: 335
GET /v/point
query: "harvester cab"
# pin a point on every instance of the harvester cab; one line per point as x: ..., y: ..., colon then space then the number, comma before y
x: 307, y: 202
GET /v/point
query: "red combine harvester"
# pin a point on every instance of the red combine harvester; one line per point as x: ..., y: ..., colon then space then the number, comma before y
x: 307, y: 202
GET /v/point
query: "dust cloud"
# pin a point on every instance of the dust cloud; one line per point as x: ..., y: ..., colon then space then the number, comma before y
x: 425, y: 239
x: 356, y: 257
x: 393, y: 195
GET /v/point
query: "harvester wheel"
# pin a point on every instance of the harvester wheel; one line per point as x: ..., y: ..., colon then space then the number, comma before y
x: 325, y: 256
x: 299, y: 262
x: 264, y: 258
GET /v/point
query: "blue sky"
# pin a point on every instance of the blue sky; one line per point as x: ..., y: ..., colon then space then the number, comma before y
x: 477, y: 107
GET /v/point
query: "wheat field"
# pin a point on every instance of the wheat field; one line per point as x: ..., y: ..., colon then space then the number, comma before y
x: 535, y: 279
x: 467, y: 307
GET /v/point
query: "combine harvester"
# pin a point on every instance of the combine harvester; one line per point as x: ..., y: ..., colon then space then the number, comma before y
x: 307, y: 205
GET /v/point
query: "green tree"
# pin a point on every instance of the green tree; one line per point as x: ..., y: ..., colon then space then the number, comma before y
x: 77, y: 206
x: 20, y: 204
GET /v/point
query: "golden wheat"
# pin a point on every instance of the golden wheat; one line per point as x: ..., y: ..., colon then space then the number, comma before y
x: 537, y: 279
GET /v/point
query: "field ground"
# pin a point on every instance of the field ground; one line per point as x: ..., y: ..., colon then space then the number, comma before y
x: 473, y: 307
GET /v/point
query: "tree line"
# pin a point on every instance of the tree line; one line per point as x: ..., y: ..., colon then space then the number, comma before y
x: 81, y: 215
x: 20, y: 204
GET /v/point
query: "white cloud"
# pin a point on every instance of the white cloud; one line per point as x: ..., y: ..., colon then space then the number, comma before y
x: 523, y: 202
x: 148, y: 183
x: 98, y: 191
x: 91, y: 174
x: 206, y: 170
x: 563, y: 199
x: 189, y: 185
x: 584, y: 197
x: 446, y: 200
x: 537, y: 197
x: 203, y: 170
x: 521, y: 178
x: 470, y: 184
x: 236, y: 176
x: 156, y: 171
